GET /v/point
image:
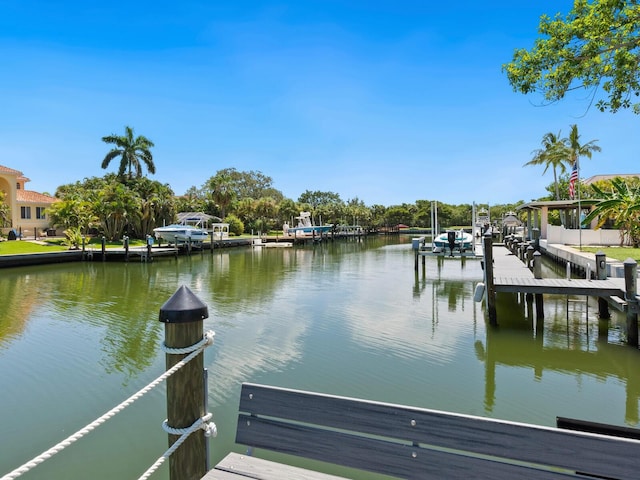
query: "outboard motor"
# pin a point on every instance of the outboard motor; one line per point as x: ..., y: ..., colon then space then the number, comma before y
x: 451, y: 238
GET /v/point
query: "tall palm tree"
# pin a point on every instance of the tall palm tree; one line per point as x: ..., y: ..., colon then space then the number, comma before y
x: 132, y: 151
x: 221, y: 187
x: 554, y: 153
x: 576, y: 149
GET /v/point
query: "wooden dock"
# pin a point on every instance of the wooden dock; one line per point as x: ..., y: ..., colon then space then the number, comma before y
x: 512, y: 275
x: 146, y: 254
x: 517, y: 269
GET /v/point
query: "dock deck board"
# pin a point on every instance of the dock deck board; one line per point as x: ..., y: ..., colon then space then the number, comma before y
x: 512, y: 275
x: 237, y: 467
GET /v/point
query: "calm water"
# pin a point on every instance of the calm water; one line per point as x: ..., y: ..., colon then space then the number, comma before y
x: 349, y: 318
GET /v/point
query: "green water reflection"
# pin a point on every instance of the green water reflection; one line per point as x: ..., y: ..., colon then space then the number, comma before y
x: 348, y: 318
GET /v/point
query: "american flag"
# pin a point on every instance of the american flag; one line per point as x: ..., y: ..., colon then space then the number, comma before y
x: 573, y: 179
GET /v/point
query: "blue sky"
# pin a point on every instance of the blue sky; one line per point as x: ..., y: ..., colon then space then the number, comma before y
x: 387, y: 101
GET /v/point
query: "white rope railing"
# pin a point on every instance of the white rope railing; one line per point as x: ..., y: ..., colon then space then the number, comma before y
x: 193, y: 350
x: 203, y: 423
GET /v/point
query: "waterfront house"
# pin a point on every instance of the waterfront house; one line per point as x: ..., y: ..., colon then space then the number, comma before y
x: 27, y: 209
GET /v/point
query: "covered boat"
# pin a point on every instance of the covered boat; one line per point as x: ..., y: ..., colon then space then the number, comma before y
x: 178, y: 233
x: 305, y: 227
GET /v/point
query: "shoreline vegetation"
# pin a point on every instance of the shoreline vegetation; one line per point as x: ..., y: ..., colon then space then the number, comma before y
x: 20, y: 247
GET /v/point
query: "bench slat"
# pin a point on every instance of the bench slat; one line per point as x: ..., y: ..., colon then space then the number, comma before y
x: 371, y: 454
x: 598, y: 455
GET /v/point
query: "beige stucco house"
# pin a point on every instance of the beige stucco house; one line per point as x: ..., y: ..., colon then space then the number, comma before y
x: 27, y: 209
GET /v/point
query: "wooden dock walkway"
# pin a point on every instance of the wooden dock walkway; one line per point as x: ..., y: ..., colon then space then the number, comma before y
x: 516, y: 268
x: 512, y: 275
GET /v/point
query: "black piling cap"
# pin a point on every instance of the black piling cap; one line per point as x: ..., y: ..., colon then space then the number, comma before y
x: 183, y: 307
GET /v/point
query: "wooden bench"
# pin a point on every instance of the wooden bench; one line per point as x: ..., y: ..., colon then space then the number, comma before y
x: 413, y: 443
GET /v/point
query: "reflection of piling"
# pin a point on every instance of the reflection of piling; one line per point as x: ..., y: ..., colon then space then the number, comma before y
x: 183, y: 316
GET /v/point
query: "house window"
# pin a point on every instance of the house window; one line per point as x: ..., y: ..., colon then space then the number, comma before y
x: 17, y: 186
x: 40, y: 213
x: 25, y: 213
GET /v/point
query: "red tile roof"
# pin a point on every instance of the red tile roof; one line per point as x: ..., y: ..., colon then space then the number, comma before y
x: 29, y: 196
x: 10, y: 171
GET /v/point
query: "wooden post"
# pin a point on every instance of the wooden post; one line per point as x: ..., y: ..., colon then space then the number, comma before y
x: 601, y: 274
x: 530, y: 250
x: 601, y: 266
x: 630, y: 281
x: 183, y: 316
x: 488, y: 279
x: 537, y: 265
x: 149, y: 243
x: 539, y: 306
x: 104, y: 247
x: 126, y: 248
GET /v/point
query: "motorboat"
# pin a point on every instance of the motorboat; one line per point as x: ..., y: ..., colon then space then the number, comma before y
x: 180, y: 233
x: 305, y: 227
x: 453, y: 240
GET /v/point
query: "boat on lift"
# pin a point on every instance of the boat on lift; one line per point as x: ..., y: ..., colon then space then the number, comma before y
x: 181, y: 233
x: 453, y: 240
x: 305, y: 227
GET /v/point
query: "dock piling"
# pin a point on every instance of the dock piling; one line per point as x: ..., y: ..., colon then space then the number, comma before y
x: 630, y: 282
x: 183, y: 316
x: 489, y: 280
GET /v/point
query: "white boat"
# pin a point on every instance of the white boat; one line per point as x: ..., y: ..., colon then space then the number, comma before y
x: 305, y: 227
x: 179, y: 233
x: 453, y: 240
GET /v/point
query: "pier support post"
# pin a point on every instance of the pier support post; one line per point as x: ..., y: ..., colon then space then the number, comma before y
x: 530, y: 251
x: 603, y: 309
x: 601, y: 274
x: 104, y: 248
x: 126, y: 248
x: 630, y: 283
x: 149, y: 244
x: 183, y: 316
x: 539, y: 306
x: 537, y: 265
x: 488, y: 279
x: 601, y: 266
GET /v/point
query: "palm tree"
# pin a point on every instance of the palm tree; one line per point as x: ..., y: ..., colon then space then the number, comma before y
x: 221, y: 187
x: 577, y: 150
x: 554, y: 153
x: 132, y: 151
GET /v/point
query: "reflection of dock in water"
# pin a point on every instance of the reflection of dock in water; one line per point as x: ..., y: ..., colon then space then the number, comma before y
x: 602, y: 360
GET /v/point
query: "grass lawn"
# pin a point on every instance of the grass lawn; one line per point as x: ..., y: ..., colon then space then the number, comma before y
x: 16, y: 247
x: 619, y: 253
